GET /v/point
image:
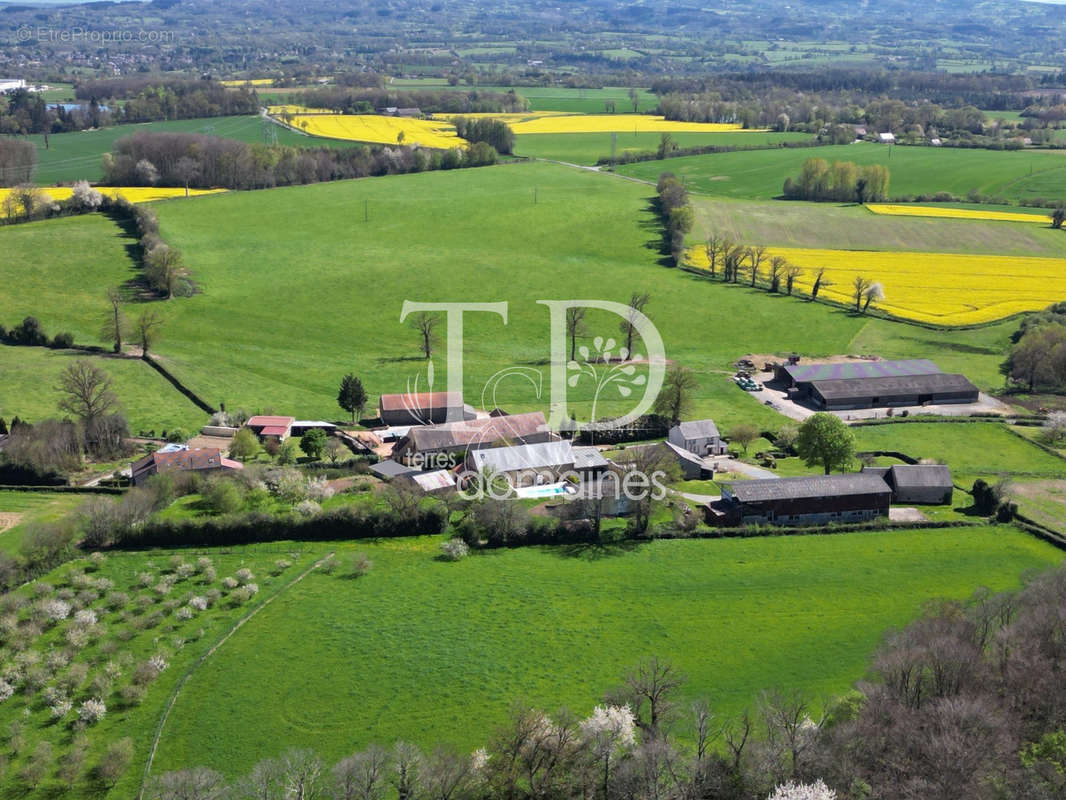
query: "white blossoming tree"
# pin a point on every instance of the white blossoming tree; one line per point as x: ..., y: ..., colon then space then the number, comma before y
x: 803, y: 791
x: 609, y: 732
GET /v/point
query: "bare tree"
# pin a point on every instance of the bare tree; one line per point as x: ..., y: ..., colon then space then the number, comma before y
x: 778, y: 269
x: 859, y: 286
x: 628, y: 326
x: 86, y: 391
x: 575, y: 326
x: 756, y: 255
x: 649, y: 691
x: 716, y: 248
x: 445, y: 775
x: 407, y: 764
x: 198, y: 783
x: 148, y: 324
x: 675, y: 398
x: 302, y: 771
x: 792, y: 272
x: 115, y: 325
x: 734, y: 257
x: 702, y: 723
x: 187, y: 170
x: 819, y: 282
x: 426, y: 325
x: 789, y: 729
x: 361, y: 776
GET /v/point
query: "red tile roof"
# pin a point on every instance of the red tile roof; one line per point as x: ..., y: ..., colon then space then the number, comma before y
x: 274, y: 430
x: 262, y: 421
x: 420, y: 401
x: 198, y: 459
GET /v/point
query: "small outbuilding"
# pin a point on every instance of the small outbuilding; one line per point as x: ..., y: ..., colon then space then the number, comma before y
x: 423, y: 408
x: 919, y: 484
x: 271, y: 427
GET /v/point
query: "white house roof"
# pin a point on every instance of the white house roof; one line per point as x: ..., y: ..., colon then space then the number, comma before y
x: 432, y: 481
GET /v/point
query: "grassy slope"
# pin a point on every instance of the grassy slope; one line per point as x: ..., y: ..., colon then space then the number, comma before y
x: 851, y: 227
x: 76, y: 156
x: 57, y: 271
x: 914, y: 170
x: 182, y: 641
x: 300, y: 290
x: 29, y: 375
x: 587, y: 148
x: 433, y: 651
x: 34, y: 507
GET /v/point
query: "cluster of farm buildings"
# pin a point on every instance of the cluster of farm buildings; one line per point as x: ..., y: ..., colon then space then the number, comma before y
x: 434, y: 442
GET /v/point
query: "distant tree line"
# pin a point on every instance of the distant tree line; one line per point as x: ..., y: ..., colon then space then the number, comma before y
x: 347, y: 100
x: 841, y: 182
x: 635, y: 156
x: 142, y: 100
x: 966, y: 701
x: 17, y: 162
x: 197, y: 160
x: 675, y: 210
x: 157, y: 98
x: 30, y: 333
x: 494, y: 132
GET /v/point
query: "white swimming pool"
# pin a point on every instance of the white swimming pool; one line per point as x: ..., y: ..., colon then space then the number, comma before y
x: 550, y: 490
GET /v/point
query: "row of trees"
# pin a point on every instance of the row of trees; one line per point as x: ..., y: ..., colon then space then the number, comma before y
x: 753, y: 265
x: 676, y: 213
x: 967, y: 701
x: 1038, y: 359
x: 197, y: 160
x: 841, y: 182
x: 30, y: 333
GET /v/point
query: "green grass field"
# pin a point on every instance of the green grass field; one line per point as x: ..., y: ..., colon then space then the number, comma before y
x: 914, y: 170
x: 973, y: 450
x: 31, y: 507
x: 299, y: 290
x: 587, y: 148
x: 852, y: 227
x: 431, y: 651
x: 77, y: 156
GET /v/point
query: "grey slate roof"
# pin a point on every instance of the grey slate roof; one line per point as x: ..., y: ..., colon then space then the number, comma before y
x: 698, y: 429
x: 937, y: 383
x: 684, y: 455
x: 805, y: 373
x: 391, y: 469
x: 525, y: 456
x: 914, y: 476
x: 588, y: 458
x: 476, y: 432
x: 810, y: 486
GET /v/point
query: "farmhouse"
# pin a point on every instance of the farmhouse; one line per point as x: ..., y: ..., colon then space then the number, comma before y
x: 808, y: 500
x: 425, y: 441
x: 271, y: 427
x: 871, y: 384
x: 204, y: 460
x: 527, y: 464
x: 921, y: 484
x: 700, y: 437
x: 423, y: 408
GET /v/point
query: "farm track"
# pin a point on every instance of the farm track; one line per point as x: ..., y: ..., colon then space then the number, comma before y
x: 202, y: 659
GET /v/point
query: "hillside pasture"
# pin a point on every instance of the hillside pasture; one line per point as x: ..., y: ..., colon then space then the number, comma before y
x: 588, y: 148
x: 298, y: 290
x: 433, y: 652
x: 1015, y: 175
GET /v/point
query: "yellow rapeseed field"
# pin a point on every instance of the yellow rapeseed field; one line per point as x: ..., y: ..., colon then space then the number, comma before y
x: 252, y: 82
x: 956, y: 213
x: 135, y: 194
x: 941, y: 288
x: 378, y: 129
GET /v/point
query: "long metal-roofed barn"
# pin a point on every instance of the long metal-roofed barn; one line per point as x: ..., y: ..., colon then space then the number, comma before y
x: 454, y: 437
x: 807, y: 500
x: 869, y: 384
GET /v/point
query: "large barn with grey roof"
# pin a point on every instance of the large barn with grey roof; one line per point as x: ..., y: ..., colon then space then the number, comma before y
x: 874, y: 384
